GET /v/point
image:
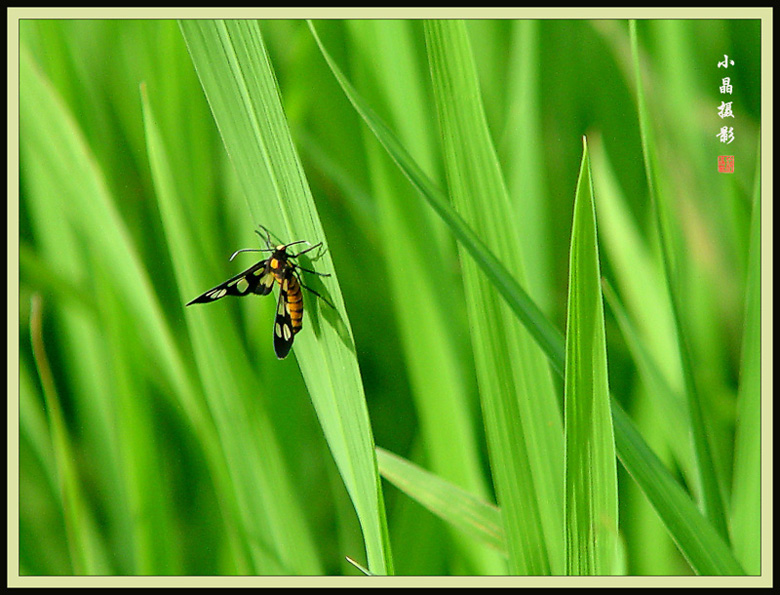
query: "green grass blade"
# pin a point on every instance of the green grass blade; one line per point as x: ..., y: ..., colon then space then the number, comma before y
x: 238, y: 79
x: 35, y: 435
x: 703, y: 547
x: 476, y: 518
x: 86, y: 549
x: 522, y: 419
x: 590, y: 505
x: 746, y: 493
x: 668, y: 402
x: 526, y: 185
x: 386, y: 64
x: 144, y: 483
x: 712, y: 500
x: 644, y: 316
x: 359, y: 566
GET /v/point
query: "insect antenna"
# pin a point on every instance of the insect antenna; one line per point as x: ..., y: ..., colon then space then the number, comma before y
x: 293, y: 244
x: 251, y: 250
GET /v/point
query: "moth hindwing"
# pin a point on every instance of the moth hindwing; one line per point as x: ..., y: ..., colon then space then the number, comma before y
x: 260, y: 278
x: 289, y: 314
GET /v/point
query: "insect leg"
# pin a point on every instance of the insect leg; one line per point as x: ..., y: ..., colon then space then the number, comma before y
x: 317, y: 294
x: 305, y: 251
x: 297, y: 266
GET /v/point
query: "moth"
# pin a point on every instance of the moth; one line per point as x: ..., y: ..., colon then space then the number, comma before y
x: 260, y: 278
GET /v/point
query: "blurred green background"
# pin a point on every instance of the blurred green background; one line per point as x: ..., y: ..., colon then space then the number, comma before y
x: 544, y: 85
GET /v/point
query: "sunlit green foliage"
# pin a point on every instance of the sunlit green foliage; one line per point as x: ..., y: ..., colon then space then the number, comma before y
x: 159, y: 440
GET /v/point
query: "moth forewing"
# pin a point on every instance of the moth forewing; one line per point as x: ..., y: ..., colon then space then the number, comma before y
x: 256, y: 279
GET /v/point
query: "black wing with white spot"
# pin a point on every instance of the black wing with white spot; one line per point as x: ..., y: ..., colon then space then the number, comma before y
x: 283, y: 329
x: 257, y: 279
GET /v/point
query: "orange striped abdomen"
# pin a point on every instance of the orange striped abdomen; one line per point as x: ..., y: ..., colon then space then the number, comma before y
x: 294, y: 303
